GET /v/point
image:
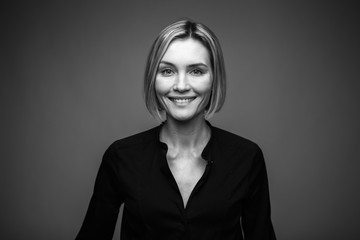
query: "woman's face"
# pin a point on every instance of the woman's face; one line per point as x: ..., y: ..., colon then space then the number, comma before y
x: 184, y: 79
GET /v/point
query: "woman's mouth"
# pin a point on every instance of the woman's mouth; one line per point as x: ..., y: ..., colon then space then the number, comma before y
x: 181, y: 100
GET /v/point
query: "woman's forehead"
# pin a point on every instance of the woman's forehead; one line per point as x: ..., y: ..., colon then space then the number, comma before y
x: 190, y: 51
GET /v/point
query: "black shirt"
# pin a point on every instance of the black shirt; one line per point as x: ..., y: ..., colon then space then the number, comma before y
x: 229, y: 202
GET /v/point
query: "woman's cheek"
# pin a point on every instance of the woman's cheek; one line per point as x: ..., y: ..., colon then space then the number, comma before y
x: 203, y: 85
x: 162, y: 86
x: 161, y: 89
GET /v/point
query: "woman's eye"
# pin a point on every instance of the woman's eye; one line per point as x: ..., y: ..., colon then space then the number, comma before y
x: 167, y: 72
x: 196, y: 72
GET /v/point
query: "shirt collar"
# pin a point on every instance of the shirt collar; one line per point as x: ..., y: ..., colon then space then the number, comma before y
x: 206, y: 153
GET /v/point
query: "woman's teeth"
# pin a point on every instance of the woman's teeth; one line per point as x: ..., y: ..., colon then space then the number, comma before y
x: 182, y: 100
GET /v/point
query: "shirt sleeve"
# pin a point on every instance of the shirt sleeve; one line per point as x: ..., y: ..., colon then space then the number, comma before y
x: 256, y: 220
x: 103, y: 210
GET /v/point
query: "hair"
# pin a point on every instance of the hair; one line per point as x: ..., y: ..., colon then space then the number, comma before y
x: 184, y: 29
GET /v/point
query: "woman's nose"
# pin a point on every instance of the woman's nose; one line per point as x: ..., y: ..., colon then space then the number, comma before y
x: 181, y: 83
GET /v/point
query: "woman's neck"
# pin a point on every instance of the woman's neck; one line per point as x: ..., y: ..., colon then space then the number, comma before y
x: 185, y: 134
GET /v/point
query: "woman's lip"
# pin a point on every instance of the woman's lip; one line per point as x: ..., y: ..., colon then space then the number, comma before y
x: 181, y: 99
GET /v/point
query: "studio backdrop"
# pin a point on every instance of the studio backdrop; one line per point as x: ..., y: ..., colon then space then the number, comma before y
x: 71, y: 84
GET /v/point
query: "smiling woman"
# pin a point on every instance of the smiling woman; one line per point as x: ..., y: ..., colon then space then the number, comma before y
x: 183, y: 179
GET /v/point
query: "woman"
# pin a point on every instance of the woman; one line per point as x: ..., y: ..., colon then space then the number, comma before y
x: 184, y: 179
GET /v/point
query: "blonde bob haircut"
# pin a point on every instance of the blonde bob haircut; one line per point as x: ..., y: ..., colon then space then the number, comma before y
x: 184, y: 29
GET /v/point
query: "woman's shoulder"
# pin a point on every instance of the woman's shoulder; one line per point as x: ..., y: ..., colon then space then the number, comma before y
x: 237, y: 149
x: 136, y: 140
x: 233, y: 140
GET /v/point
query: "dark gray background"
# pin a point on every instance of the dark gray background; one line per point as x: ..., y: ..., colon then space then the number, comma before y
x: 71, y: 80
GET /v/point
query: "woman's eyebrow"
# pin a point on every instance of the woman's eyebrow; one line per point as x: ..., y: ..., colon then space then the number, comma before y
x: 167, y: 63
x: 198, y: 65
x: 191, y: 65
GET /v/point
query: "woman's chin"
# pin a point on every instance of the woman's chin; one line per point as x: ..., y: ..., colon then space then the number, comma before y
x: 183, y: 117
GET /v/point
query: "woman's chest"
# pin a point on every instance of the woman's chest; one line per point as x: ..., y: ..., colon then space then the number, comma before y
x: 187, y: 173
x: 163, y: 191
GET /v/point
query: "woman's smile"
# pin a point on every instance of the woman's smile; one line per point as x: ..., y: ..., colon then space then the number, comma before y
x: 182, y: 101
